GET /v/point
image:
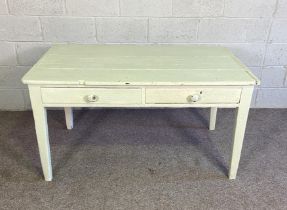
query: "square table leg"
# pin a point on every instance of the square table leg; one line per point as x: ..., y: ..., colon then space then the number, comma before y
x: 239, y: 130
x: 69, y: 117
x: 41, y: 126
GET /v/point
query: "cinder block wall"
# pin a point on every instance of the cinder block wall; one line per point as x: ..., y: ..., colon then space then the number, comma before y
x: 255, y: 30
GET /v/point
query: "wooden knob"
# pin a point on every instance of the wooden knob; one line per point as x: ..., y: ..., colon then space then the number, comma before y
x: 92, y: 98
x: 193, y: 98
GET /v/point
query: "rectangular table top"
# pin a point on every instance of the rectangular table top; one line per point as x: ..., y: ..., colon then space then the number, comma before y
x: 75, y: 64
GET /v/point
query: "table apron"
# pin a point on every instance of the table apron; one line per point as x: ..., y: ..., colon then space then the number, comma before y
x: 223, y: 96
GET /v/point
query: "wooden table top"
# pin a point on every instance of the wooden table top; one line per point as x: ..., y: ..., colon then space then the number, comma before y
x: 75, y: 64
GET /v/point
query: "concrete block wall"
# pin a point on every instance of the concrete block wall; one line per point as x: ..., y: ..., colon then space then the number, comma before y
x: 255, y: 30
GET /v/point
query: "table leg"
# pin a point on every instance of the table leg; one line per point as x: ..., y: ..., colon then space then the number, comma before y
x: 239, y: 130
x: 212, y: 118
x: 41, y: 126
x: 69, y: 117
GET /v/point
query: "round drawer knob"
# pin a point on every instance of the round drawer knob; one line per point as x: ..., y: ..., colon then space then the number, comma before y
x: 193, y: 98
x: 92, y: 98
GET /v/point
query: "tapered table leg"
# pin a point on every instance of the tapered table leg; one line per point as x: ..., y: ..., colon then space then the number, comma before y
x: 41, y: 126
x: 239, y: 130
x: 69, y: 117
x: 212, y: 118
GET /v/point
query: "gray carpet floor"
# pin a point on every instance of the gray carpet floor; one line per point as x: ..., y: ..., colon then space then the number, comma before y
x: 144, y: 159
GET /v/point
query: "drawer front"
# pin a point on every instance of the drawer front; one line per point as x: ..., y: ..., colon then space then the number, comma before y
x: 91, y: 96
x: 195, y: 95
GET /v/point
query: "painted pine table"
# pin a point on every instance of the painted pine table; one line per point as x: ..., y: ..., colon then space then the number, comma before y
x: 139, y: 76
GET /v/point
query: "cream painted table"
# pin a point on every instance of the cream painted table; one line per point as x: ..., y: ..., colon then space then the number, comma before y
x: 139, y: 76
